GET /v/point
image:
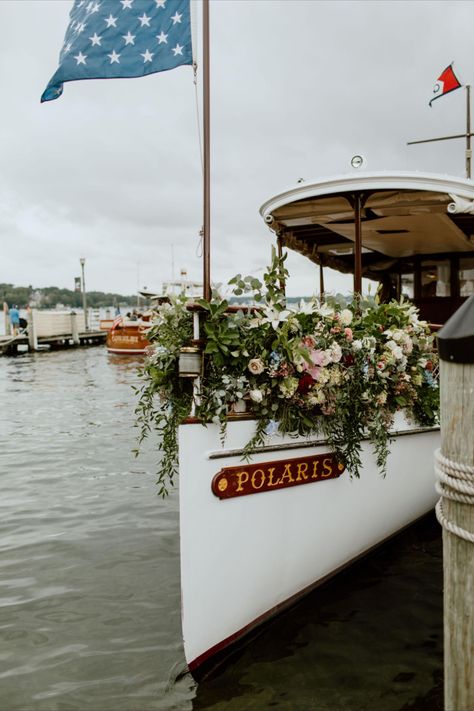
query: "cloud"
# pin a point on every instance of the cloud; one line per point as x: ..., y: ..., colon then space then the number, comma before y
x: 112, y: 171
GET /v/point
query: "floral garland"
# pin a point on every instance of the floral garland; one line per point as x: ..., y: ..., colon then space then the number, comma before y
x: 331, y: 368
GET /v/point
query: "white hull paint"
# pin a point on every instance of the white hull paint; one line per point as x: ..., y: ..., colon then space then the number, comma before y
x: 242, y: 559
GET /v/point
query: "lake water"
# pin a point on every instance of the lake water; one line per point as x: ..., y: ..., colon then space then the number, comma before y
x: 89, y: 576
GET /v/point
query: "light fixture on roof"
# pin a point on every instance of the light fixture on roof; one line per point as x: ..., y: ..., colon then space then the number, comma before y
x: 357, y: 161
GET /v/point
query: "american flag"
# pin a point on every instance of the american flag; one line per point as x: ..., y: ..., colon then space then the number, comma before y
x: 117, y: 321
x: 108, y: 39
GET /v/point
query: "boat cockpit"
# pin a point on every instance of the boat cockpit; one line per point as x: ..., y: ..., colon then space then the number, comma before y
x: 411, y: 232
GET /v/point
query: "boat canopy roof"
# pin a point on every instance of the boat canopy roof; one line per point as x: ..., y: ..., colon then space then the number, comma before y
x: 403, y: 215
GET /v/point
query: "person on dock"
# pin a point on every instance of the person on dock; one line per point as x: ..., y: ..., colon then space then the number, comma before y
x: 14, y: 319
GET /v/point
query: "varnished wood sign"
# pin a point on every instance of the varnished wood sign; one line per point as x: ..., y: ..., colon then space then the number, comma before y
x: 267, y: 476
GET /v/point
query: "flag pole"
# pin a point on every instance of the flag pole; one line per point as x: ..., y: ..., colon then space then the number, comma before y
x: 207, y: 154
x: 467, y: 135
x: 468, y: 131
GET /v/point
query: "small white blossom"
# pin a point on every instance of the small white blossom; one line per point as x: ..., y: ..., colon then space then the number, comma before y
x: 395, y: 349
x: 335, y: 352
x: 324, y: 310
x: 346, y: 317
x: 317, y: 397
x: 288, y: 387
x: 256, y: 395
x: 306, y: 307
x: 273, y: 316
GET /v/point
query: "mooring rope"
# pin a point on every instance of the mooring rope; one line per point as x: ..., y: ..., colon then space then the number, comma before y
x: 455, y: 482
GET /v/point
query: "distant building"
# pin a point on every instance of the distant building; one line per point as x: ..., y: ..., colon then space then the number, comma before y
x: 36, y: 298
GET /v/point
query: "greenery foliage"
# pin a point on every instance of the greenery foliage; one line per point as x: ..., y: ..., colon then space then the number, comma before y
x: 332, y: 368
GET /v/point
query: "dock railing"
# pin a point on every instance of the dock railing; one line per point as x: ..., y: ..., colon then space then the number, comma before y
x: 52, y: 324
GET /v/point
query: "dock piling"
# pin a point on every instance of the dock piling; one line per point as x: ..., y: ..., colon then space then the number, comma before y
x: 455, y: 510
x: 74, y: 329
x: 32, y: 338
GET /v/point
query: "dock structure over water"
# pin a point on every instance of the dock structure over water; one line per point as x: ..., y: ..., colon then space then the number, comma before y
x: 53, y: 330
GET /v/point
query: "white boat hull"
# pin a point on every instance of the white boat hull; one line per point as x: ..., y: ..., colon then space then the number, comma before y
x: 244, y: 558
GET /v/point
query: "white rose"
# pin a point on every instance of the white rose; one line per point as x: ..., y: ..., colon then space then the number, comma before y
x: 346, y: 317
x: 256, y: 395
x: 396, y: 350
x: 335, y: 352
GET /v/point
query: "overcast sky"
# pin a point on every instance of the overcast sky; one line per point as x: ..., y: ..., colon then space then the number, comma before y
x: 111, y: 170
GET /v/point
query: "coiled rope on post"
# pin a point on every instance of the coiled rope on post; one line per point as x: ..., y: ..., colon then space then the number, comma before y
x: 455, y: 482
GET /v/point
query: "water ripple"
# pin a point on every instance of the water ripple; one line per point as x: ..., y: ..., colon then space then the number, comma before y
x: 89, y: 579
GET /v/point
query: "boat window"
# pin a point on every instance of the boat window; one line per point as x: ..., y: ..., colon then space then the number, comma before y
x: 466, y: 276
x: 435, y: 278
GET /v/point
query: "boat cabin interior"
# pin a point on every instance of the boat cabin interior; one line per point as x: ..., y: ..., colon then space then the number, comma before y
x: 414, y: 235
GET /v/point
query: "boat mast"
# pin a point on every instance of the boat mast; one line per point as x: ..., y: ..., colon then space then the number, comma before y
x: 466, y: 135
x: 207, y: 154
x: 468, y: 131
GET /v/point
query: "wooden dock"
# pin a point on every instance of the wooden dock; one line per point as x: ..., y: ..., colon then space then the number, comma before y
x: 53, y: 330
x: 10, y: 346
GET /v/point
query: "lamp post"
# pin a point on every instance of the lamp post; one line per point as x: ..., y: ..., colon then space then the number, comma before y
x: 84, y: 303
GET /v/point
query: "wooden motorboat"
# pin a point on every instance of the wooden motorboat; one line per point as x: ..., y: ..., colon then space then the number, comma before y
x: 127, y: 334
x: 127, y: 337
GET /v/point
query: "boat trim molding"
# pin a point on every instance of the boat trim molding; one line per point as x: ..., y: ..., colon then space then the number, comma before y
x: 367, y: 182
x: 221, y: 453
x: 127, y: 351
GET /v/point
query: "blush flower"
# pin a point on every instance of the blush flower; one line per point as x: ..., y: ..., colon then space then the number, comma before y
x: 256, y: 366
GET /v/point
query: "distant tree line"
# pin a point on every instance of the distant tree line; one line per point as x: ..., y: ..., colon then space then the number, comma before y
x: 49, y: 296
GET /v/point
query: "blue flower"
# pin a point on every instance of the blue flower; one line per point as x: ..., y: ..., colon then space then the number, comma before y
x: 430, y: 379
x: 271, y: 428
x: 274, y: 359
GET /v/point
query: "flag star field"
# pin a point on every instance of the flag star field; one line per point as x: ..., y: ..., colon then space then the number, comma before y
x: 109, y: 39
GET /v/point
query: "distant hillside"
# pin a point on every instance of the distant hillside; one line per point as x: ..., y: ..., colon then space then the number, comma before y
x: 47, y: 297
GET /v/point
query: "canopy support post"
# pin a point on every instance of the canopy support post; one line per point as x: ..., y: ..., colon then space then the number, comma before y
x: 357, y: 201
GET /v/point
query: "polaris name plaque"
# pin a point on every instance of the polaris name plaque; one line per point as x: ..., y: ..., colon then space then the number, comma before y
x: 267, y: 476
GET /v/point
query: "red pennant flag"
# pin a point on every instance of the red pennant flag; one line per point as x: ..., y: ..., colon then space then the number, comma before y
x: 446, y: 82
